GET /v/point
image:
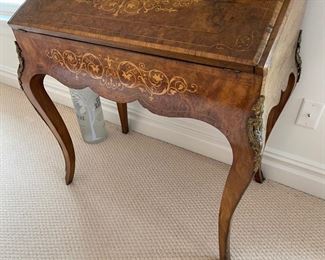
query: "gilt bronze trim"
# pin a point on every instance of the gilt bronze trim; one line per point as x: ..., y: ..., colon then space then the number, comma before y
x: 21, y: 64
x: 255, y: 132
x: 298, y: 57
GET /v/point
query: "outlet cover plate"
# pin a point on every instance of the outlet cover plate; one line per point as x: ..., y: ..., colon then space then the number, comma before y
x: 310, y: 114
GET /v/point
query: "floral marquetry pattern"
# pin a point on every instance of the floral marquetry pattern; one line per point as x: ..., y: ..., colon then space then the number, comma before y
x: 133, y: 7
x: 116, y: 74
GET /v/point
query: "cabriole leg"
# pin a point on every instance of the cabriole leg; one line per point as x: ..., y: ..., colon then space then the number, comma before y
x: 36, y: 93
x: 246, y: 140
x: 237, y: 182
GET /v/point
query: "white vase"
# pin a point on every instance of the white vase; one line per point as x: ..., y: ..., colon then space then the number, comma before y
x: 90, y: 115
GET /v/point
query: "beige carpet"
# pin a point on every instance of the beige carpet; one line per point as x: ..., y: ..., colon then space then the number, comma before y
x: 134, y: 197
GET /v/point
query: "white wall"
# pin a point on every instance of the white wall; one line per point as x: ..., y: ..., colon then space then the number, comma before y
x: 295, y: 156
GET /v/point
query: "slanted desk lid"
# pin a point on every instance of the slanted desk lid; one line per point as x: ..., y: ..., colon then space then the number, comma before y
x: 227, y: 33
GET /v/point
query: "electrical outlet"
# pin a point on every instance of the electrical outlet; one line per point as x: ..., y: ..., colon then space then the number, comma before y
x: 310, y: 114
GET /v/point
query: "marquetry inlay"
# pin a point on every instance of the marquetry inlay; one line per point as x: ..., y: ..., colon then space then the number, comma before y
x: 115, y: 74
x: 133, y: 7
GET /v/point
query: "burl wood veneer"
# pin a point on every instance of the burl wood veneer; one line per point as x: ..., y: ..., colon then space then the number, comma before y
x: 230, y: 63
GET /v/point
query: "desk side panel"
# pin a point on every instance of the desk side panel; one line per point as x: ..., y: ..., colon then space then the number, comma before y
x: 280, y: 67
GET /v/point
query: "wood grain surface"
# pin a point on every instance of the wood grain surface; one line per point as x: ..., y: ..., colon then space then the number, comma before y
x: 218, y: 32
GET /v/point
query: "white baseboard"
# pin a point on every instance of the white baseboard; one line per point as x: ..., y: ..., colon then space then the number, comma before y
x: 198, y: 137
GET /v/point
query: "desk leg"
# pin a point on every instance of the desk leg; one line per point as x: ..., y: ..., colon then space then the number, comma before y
x: 246, y: 140
x: 123, y: 112
x: 35, y: 92
x: 240, y: 176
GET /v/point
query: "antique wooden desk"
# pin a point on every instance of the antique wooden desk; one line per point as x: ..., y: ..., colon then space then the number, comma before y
x: 230, y: 63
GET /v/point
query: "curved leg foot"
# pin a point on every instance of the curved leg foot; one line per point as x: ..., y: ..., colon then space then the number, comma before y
x: 123, y: 112
x: 42, y: 103
x: 259, y: 176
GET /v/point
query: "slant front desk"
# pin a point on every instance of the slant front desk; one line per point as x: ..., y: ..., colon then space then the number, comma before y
x: 230, y: 63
